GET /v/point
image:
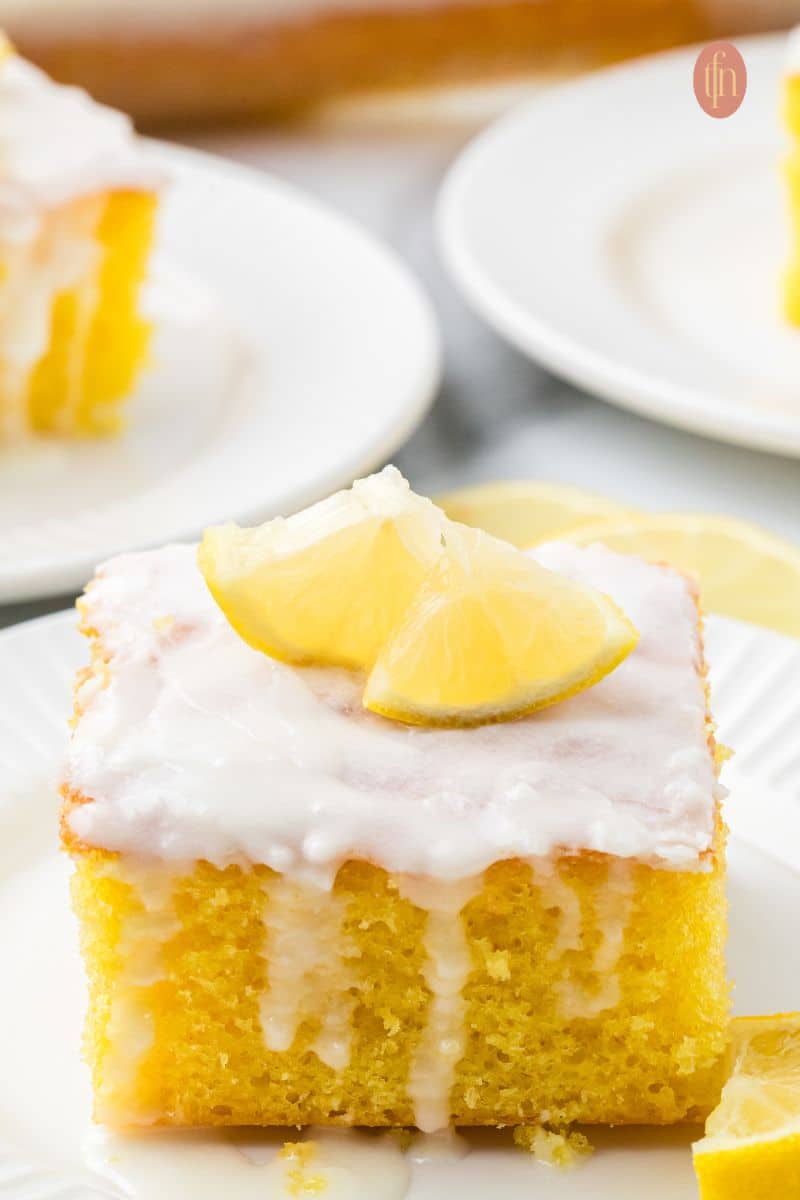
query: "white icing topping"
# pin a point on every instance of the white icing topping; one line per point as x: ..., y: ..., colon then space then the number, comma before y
x: 441, y: 1147
x: 557, y: 893
x: 130, y: 1031
x: 201, y: 747
x: 447, y: 967
x: 205, y: 1164
x: 309, y: 975
x: 612, y: 910
x: 66, y: 257
x: 55, y: 144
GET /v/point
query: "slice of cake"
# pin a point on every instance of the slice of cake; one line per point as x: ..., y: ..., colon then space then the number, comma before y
x: 77, y: 207
x: 295, y: 911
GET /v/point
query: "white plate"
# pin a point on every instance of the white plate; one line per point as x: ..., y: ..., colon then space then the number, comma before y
x: 615, y: 233
x: 305, y: 355
x: 44, y: 1098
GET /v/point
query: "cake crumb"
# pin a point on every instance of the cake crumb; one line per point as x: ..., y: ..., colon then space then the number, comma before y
x: 495, y: 961
x: 299, y: 1156
x: 554, y: 1148
x: 687, y: 1055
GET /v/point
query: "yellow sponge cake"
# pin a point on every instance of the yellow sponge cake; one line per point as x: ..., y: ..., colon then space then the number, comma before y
x: 296, y: 911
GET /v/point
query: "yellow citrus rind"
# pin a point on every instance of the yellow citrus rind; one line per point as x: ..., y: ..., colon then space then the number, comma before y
x: 743, y: 571
x: 452, y: 626
x: 327, y: 585
x: 527, y: 511
x: 751, y: 1148
x: 492, y: 636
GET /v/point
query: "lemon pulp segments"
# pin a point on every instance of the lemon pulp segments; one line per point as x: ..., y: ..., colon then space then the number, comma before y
x: 751, y: 1148
x: 492, y: 635
x: 327, y: 585
x: 454, y: 626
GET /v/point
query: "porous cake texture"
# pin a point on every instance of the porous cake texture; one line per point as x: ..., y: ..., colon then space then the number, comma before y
x: 294, y: 911
x: 77, y: 211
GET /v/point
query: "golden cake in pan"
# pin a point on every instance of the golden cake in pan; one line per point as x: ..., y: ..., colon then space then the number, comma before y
x: 296, y: 911
x: 77, y: 208
x: 201, y: 59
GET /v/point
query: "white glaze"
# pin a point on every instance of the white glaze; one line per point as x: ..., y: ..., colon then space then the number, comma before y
x: 447, y: 967
x: 310, y: 977
x: 143, y: 936
x: 205, y: 1165
x: 613, y: 906
x: 444, y: 1146
x: 201, y: 747
x: 55, y: 144
x: 64, y: 258
x: 557, y: 893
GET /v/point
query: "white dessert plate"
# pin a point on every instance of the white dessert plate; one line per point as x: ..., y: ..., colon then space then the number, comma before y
x: 293, y: 353
x: 612, y: 231
x: 45, y: 1133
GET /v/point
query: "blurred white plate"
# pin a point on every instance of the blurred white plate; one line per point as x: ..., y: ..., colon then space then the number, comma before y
x: 612, y: 231
x: 44, y: 1101
x: 304, y: 355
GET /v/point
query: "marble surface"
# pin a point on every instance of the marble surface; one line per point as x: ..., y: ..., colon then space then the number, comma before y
x: 497, y: 415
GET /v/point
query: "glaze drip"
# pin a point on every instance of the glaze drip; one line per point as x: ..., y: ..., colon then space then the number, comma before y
x: 309, y: 974
x: 446, y: 970
x: 143, y: 936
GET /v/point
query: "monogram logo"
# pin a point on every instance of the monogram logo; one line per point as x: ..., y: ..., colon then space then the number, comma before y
x: 720, y: 79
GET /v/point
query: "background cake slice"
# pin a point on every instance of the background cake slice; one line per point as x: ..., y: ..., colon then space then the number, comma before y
x: 77, y: 208
x: 294, y: 910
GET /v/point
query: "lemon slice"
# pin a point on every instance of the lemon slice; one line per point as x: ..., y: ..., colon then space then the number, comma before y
x: 743, y: 571
x: 491, y: 635
x: 525, y: 512
x: 328, y: 584
x: 751, y: 1148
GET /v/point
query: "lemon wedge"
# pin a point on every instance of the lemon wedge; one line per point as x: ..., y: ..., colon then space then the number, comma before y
x: 751, y: 1148
x: 491, y: 636
x: 525, y: 512
x: 453, y: 627
x: 743, y: 571
x: 329, y: 584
